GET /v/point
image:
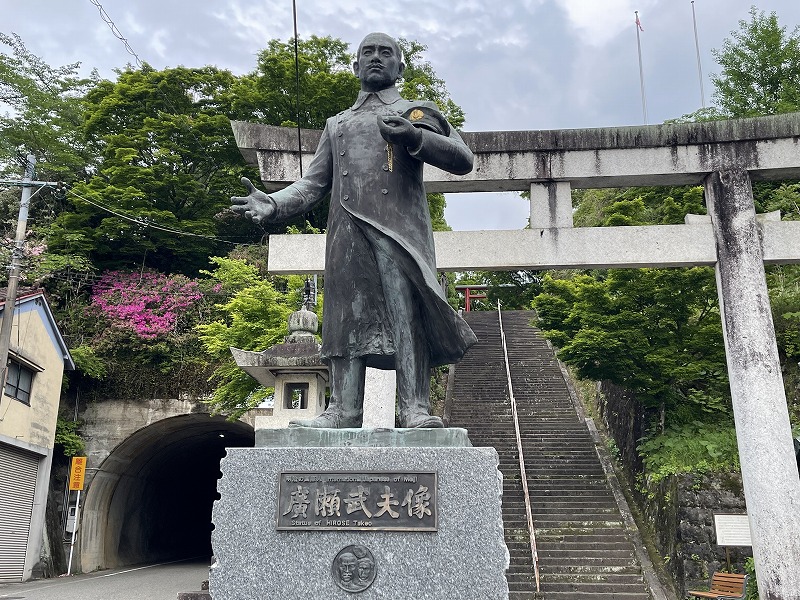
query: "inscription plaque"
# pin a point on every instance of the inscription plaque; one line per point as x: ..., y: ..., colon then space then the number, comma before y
x: 732, y: 529
x: 381, y: 501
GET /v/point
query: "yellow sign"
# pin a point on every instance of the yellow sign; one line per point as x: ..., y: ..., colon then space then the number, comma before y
x: 77, y: 472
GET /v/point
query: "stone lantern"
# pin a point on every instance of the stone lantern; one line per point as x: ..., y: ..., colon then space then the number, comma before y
x: 294, y: 369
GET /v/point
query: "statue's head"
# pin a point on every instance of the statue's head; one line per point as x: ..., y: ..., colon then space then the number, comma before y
x: 347, y: 566
x: 379, y: 62
x: 365, y: 567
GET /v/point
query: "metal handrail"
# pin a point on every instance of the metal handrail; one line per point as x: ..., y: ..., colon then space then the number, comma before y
x: 523, y: 475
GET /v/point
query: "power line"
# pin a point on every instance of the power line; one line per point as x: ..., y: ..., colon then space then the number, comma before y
x: 151, y: 225
x: 117, y: 33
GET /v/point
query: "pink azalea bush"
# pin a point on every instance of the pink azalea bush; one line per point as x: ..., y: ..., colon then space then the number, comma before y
x: 147, y: 303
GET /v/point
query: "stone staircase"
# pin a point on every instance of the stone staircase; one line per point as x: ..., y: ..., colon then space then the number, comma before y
x: 584, y: 550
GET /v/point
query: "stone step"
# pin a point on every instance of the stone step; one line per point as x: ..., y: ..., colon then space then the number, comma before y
x: 584, y: 552
x: 595, y: 586
x: 579, y: 595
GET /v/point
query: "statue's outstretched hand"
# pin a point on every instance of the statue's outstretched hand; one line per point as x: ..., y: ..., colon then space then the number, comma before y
x: 399, y: 130
x: 256, y: 205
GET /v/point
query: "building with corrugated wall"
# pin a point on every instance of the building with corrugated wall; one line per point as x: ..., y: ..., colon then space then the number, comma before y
x: 28, y: 414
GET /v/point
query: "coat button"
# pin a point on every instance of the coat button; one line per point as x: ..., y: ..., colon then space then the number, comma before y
x: 385, y: 167
x: 340, y: 134
x: 341, y: 153
x: 384, y: 191
x: 344, y: 173
x: 345, y: 197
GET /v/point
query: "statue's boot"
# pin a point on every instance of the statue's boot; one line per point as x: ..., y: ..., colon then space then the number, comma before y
x: 333, y: 417
x: 345, y: 408
x: 417, y: 415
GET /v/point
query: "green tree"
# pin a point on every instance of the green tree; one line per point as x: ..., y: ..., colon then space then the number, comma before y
x: 760, y: 68
x: 656, y: 332
x: 636, y: 206
x: 44, y: 117
x: 168, y: 163
x: 255, y: 318
x: 44, y: 114
x: 327, y: 83
x: 515, y: 290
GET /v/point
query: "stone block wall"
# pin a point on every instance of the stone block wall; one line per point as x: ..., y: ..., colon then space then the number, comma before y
x: 680, y: 509
x: 698, y: 498
x: 625, y: 419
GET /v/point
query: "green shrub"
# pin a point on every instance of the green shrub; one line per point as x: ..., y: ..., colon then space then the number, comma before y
x: 68, y: 438
x: 751, y: 593
x: 695, y: 447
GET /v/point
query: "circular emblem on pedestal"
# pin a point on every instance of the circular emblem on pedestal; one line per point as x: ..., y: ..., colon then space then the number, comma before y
x: 354, y: 568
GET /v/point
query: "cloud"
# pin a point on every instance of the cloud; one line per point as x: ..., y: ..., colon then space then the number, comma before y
x: 157, y: 43
x: 132, y: 25
x: 599, y: 22
x: 256, y: 22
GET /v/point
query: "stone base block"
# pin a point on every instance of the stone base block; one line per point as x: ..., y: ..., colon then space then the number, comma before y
x: 466, y: 558
x: 380, y: 388
x: 307, y: 437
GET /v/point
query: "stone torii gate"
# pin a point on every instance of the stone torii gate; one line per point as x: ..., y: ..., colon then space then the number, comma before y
x: 724, y: 157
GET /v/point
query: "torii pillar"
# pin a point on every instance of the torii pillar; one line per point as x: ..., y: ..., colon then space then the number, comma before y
x: 763, y: 431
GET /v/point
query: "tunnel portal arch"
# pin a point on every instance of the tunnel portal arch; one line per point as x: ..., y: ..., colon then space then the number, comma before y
x: 151, y: 498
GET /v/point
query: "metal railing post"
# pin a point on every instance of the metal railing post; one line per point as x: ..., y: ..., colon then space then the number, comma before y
x: 523, y: 475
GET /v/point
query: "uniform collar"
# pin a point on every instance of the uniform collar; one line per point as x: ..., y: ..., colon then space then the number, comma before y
x: 388, y: 95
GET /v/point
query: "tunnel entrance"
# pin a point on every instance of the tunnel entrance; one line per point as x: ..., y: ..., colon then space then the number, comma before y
x: 151, y: 499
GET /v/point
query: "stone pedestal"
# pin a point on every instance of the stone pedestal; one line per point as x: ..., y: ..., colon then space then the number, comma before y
x: 465, y: 557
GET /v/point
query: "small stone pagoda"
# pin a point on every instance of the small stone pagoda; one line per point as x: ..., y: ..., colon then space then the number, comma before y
x: 293, y: 368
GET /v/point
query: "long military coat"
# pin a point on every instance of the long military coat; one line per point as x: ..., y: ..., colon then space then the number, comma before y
x: 372, y: 200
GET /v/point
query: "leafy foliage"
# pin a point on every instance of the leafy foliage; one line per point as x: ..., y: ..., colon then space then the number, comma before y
x: 636, y: 206
x: 68, y: 439
x: 515, y: 290
x: 167, y: 160
x: 694, y: 447
x: 656, y: 332
x: 327, y: 83
x: 45, y: 114
x: 253, y: 318
x: 88, y: 362
x: 760, y: 68
x: 751, y: 593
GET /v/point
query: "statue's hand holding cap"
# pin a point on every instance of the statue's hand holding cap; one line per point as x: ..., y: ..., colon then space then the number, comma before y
x: 428, y: 118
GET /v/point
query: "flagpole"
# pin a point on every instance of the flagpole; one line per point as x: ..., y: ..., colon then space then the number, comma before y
x: 297, y: 86
x: 641, y: 70
x: 699, y: 67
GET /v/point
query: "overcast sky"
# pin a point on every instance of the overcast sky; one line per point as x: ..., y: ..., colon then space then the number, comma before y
x: 511, y: 64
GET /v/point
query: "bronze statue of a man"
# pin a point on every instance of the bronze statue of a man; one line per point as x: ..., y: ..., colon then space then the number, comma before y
x: 384, y: 307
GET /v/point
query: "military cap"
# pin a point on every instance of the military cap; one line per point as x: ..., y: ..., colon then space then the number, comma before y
x: 428, y: 118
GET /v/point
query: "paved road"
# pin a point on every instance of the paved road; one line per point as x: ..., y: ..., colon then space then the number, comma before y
x: 148, y: 582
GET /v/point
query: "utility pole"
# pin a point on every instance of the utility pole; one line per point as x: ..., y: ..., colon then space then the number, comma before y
x: 15, y: 267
